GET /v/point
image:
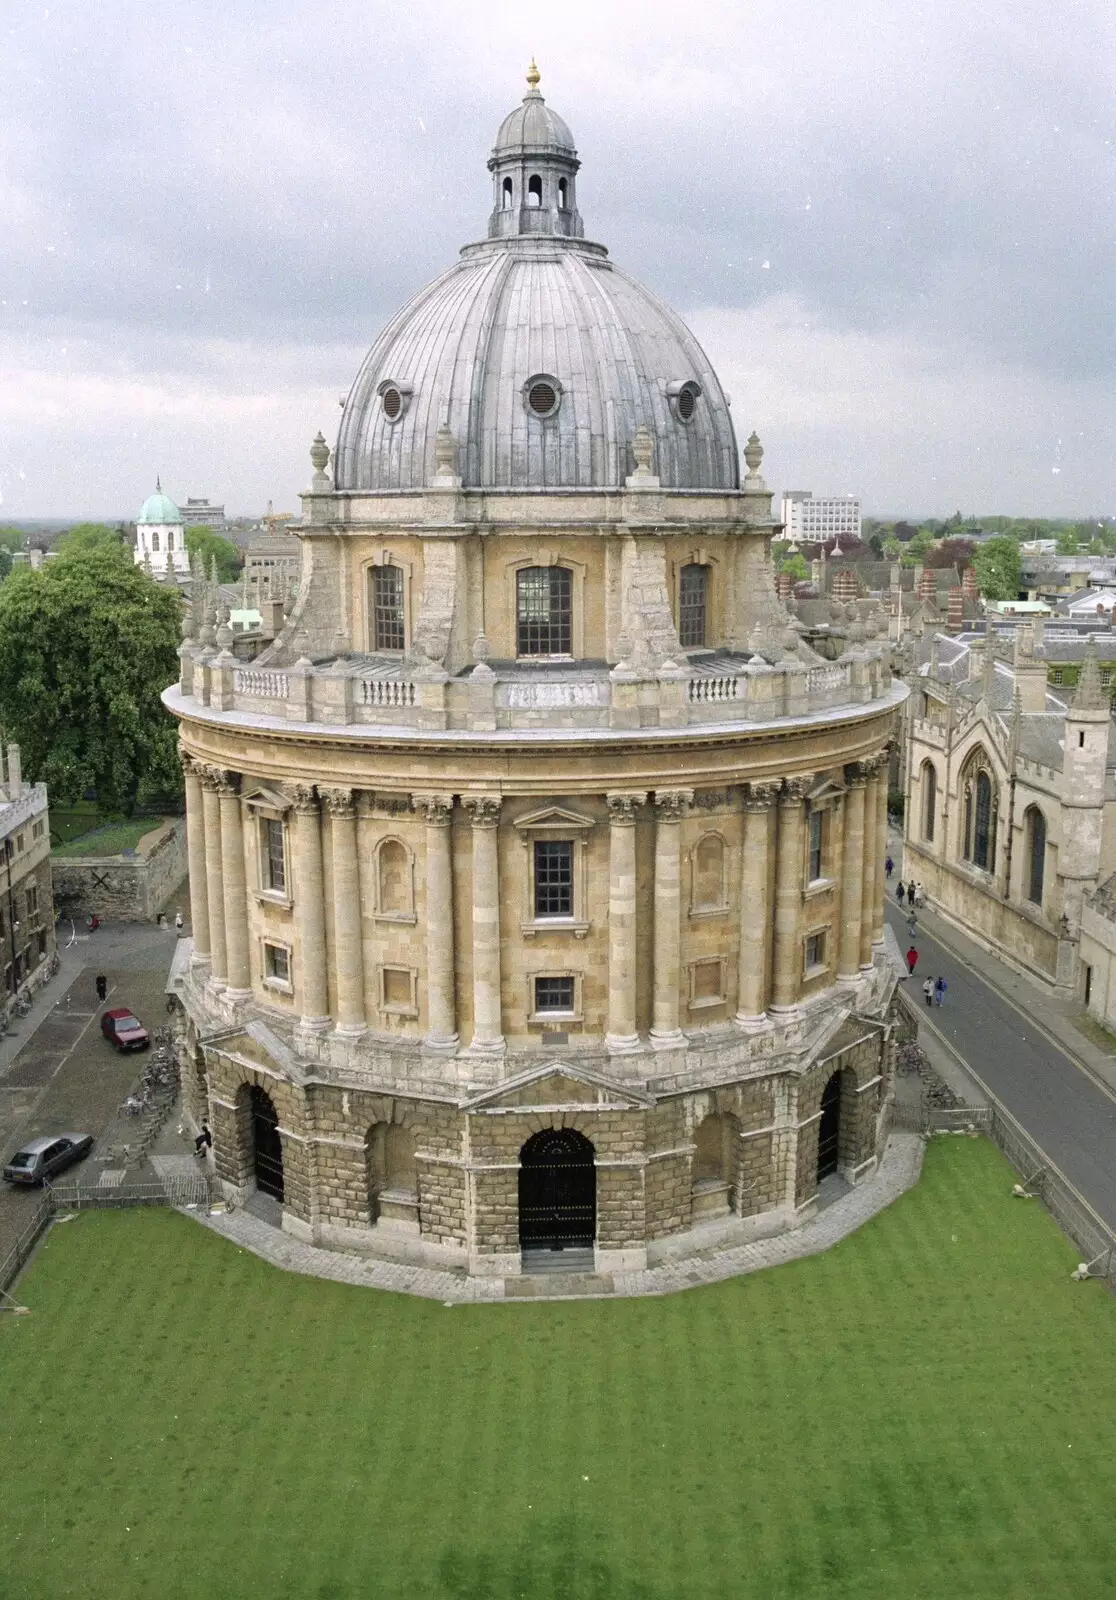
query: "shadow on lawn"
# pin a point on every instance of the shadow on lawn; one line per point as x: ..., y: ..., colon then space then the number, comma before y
x: 547, y: 1559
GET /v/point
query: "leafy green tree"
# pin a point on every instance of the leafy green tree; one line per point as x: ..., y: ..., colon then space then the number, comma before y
x: 951, y: 553
x: 89, y: 536
x: 5, y: 561
x: 796, y: 566
x: 1068, y: 542
x: 997, y: 565
x: 11, y: 539
x: 892, y: 549
x: 202, y: 541
x: 87, y: 643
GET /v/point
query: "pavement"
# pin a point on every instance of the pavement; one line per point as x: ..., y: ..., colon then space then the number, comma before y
x: 1043, y: 1056
x: 57, y: 1072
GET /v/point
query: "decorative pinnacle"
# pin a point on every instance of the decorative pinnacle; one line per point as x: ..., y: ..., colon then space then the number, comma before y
x: 158, y: 484
x: 643, y: 449
x: 753, y: 454
x: 319, y: 453
x: 533, y: 76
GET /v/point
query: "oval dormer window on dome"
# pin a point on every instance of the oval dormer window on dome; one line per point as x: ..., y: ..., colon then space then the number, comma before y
x: 394, y: 398
x: 684, y: 399
x: 542, y: 395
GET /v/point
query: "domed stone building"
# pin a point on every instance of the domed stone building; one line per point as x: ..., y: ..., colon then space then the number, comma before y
x: 537, y: 868
x: 161, y: 535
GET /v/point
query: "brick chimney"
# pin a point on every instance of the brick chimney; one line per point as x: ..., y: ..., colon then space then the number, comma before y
x: 955, y: 609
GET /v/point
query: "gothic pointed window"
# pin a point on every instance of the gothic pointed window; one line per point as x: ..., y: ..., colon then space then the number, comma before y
x: 1036, y: 853
x: 983, y: 841
x: 929, y: 800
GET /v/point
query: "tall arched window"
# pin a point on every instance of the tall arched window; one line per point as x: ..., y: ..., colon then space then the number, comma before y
x: 561, y: 194
x: 534, y: 191
x: 693, y: 589
x: 929, y: 800
x: 155, y: 543
x: 506, y: 195
x: 544, y: 611
x: 1036, y: 853
x: 983, y: 841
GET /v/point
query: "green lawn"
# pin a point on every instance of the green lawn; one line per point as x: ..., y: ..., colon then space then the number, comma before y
x: 109, y: 839
x: 927, y: 1410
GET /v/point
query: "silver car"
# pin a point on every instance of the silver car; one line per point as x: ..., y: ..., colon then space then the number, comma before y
x: 40, y: 1159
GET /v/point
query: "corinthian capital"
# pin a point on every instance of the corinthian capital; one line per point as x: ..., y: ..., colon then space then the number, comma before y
x: 671, y: 805
x: 304, y: 797
x: 857, y: 773
x: 483, y: 809
x: 221, y: 780
x: 795, y: 789
x: 435, y: 809
x: 761, y: 796
x: 622, y: 808
x: 338, y: 802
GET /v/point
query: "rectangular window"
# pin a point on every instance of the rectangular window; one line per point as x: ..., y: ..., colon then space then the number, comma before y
x: 277, y: 963
x: 544, y: 611
x: 275, y: 860
x: 32, y: 901
x: 554, y: 994
x: 19, y: 841
x: 553, y: 878
x: 387, y: 609
x: 41, y: 942
x: 815, y: 950
x: 817, y: 821
x: 692, y: 586
x: 37, y: 829
x: 1056, y: 676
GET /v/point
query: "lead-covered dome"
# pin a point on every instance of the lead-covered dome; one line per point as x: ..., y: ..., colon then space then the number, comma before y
x: 539, y: 354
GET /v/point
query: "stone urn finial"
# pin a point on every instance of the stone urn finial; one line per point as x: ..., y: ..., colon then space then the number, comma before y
x: 753, y: 455
x: 319, y: 460
x: 643, y: 449
x: 445, y: 452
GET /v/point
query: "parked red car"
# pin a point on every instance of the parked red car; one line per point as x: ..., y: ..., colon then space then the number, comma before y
x: 124, y: 1030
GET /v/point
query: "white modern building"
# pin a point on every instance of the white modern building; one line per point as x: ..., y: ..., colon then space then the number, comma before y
x: 813, y: 521
x: 161, y: 535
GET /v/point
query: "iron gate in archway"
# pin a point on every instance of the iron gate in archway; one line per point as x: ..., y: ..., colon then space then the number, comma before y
x: 829, y: 1128
x: 267, y: 1146
x: 557, y: 1191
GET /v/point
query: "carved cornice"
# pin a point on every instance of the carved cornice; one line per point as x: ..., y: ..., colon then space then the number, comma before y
x: 304, y: 798
x: 671, y: 805
x: 483, y: 809
x: 622, y: 808
x: 712, y: 799
x: 761, y: 796
x: 435, y: 809
x: 191, y: 766
x: 338, y: 802
x: 390, y: 805
x: 795, y: 789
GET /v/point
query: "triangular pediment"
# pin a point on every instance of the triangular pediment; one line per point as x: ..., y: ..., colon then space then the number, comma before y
x: 827, y: 789
x: 555, y: 817
x: 266, y: 798
x: 558, y: 1084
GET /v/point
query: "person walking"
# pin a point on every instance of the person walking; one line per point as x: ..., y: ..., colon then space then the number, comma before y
x: 910, y: 893
x: 102, y: 987
x: 203, y: 1141
x: 900, y: 892
x: 912, y: 961
x: 889, y: 867
x: 928, y: 991
x: 918, y: 892
x: 178, y: 921
x: 939, y: 990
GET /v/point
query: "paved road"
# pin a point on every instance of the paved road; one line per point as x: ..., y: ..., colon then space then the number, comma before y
x: 1070, y: 1115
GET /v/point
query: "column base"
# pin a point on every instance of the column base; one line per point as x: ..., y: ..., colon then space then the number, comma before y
x: 785, y: 1013
x: 443, y: 1044
x: 350, y: 1031
x: 752, y: 1023
x: 848, y: 980
x: 675, y: 1039
x: 236, y: 996
x: 623, y: 1044
x: 486, y: 1047
x: 199, y: 959
x: 315, y: 1025
x: 215, y: 986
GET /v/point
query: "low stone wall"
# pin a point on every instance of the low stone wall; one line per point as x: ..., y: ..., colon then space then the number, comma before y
x: 129, y: 888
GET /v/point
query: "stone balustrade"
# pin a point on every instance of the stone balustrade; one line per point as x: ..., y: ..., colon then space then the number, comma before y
x: 392, y: 693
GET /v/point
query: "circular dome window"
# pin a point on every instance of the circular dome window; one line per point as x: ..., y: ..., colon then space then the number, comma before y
x: 393, y: 404
x: 543, y: 395
x: 394, y: 398
x: 685, y: 397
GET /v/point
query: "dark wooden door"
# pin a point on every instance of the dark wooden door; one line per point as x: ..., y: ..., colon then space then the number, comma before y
x: 557, y: 1191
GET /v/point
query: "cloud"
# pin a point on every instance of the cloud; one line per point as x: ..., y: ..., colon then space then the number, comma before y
x: 211, y: 214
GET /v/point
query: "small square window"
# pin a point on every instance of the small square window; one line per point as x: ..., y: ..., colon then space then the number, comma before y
x: 277, y: 963
x: 554, y: 994
x: 815, y: 950
x: 707, y: 984
x: 397, y: 991
x: 553, y: 878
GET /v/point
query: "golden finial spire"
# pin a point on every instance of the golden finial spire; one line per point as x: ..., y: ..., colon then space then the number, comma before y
x: 533, y: 76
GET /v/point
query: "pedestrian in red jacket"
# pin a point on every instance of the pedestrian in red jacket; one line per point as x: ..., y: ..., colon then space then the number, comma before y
x: 912, y: 961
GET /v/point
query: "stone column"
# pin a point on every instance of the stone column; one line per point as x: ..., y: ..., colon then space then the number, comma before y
x: 790, y: 870
x: 488, y: 1032
x: 309, y: 905
x: 622, y: 1035
x: 215, y: 896
x: 234, y: 889
x: 881, y: 850
x: 348, y: 940
x: 853, y: 875
x: 670, y: 808
x: 441, y: 1010
x: 875, y: 803
x: 755, y: 904
x: 195, y: 849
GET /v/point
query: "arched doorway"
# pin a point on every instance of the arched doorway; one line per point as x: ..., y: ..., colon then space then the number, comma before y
x: 267, y: 1147
x: 829, y: 1128
x: 557, y: 1191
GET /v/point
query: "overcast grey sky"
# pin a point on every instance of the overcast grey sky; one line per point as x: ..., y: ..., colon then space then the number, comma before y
x: 890, y: 224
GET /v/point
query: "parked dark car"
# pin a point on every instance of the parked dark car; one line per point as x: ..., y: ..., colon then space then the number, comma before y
x: 43, y: 1158
x: 124, y: 1030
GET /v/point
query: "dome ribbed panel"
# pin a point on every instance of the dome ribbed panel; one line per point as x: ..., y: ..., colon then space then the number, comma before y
x: 467, y: 346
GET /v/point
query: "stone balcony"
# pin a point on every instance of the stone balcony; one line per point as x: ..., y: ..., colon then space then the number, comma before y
x: 715, y: 687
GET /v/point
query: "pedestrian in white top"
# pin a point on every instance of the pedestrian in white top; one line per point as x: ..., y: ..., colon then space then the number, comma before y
x: 928, y: 991
x: 918, y: 892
